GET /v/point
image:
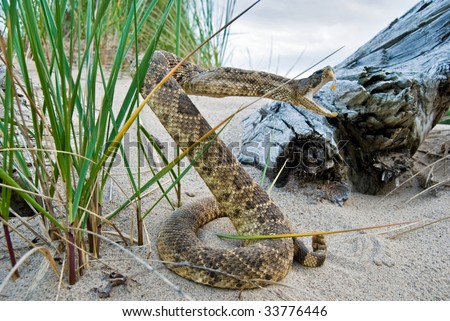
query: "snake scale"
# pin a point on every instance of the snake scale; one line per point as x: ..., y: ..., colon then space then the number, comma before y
x: 236, y: 195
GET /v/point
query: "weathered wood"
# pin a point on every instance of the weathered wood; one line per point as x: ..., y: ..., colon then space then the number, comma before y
x: 390, y: 93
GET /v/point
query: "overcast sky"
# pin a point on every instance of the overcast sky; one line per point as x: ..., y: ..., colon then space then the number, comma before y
x: 273, y: 35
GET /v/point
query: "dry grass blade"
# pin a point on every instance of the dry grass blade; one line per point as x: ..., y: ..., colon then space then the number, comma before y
x: 290, y: 235
x: 40, y: 275
x: 416, y: 174
x: 433, y: 187
x: 43, y: 250
x: 419, y: 227
x: 61, y: 275
x: 277, y: 177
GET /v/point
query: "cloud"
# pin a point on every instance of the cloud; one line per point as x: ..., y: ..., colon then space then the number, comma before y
x: 281, y: 30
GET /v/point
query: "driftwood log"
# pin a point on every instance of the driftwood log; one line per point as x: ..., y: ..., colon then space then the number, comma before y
x: 390, y: 93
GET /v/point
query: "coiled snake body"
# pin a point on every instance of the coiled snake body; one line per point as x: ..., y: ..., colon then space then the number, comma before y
x: 236, y: 195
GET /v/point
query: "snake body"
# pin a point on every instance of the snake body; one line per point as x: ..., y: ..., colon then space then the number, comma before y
x: 236, y: 195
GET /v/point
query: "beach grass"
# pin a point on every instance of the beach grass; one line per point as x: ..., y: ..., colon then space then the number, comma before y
x: 60, y: 159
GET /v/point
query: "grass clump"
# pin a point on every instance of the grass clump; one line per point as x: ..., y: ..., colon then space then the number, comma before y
x: 58, y: 144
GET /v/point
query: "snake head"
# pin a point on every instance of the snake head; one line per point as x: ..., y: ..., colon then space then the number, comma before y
x: 320, y: 78
x: 313, y: 84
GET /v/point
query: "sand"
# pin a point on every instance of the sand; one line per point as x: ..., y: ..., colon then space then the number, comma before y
x: 370, y: 265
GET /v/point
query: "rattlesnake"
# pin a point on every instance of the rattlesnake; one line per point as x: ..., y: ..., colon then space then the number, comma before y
x: 236, y: 195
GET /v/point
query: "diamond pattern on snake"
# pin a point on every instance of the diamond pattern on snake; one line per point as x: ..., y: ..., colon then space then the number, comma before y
x: 236, y: 195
